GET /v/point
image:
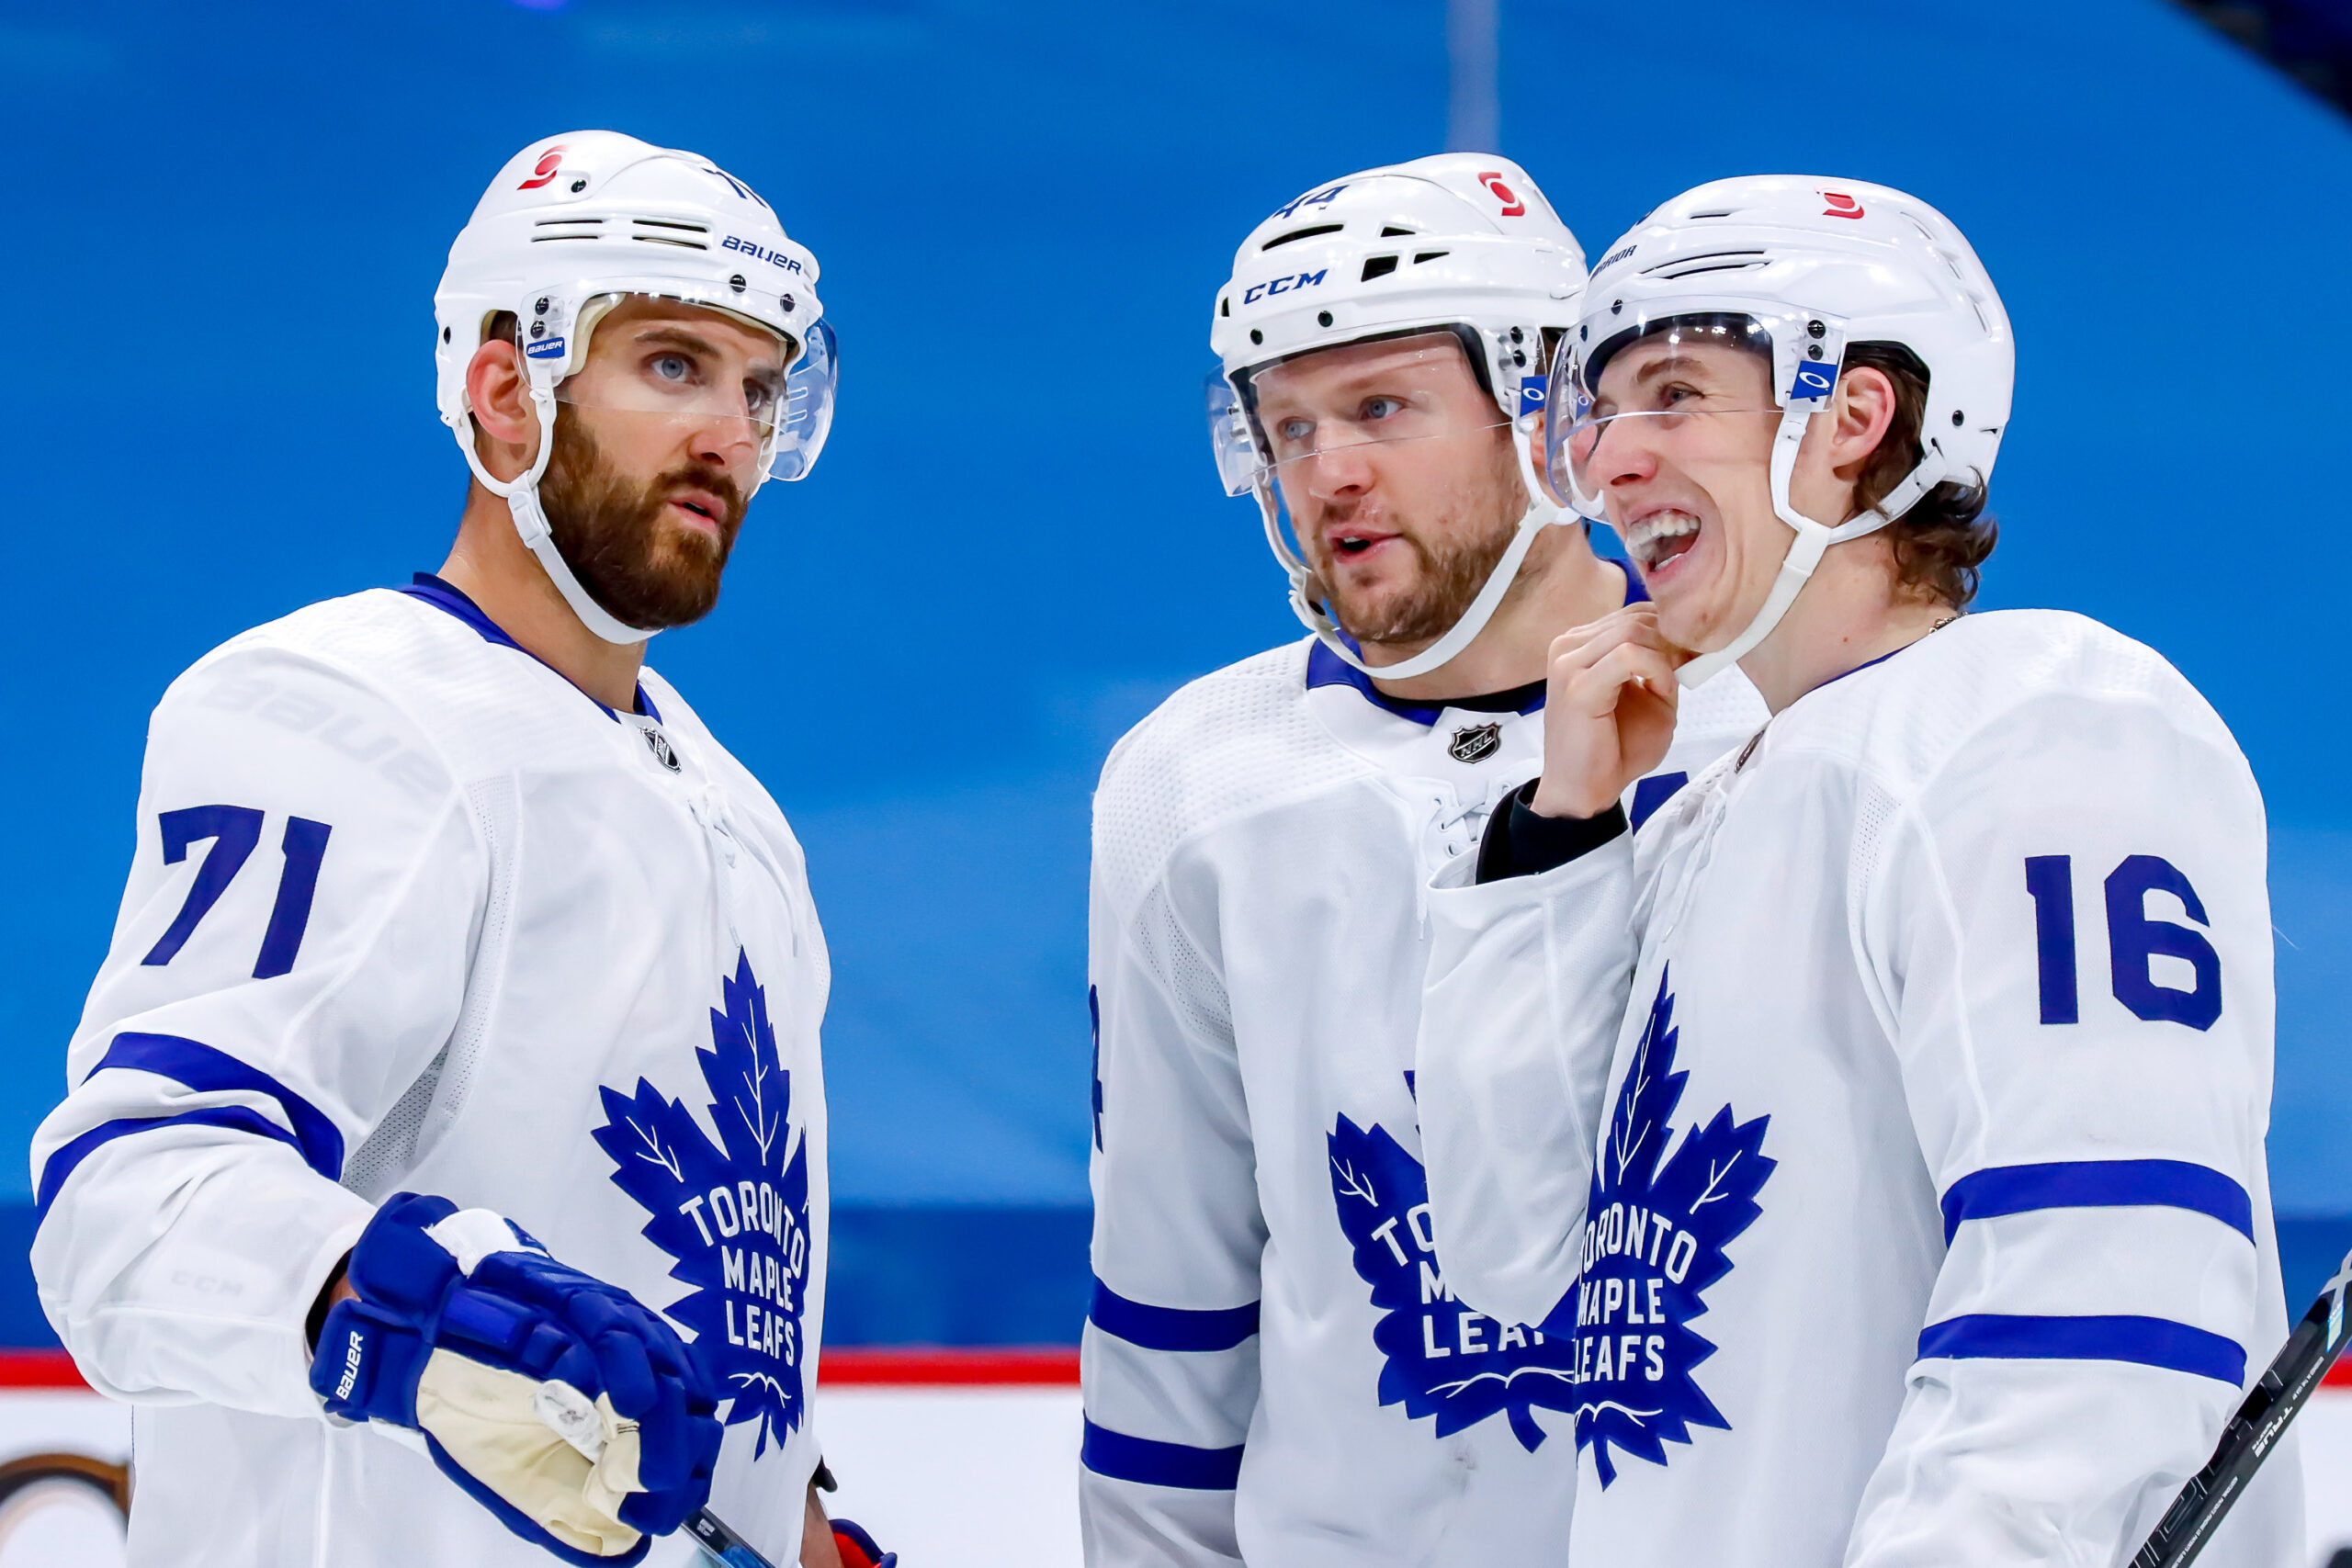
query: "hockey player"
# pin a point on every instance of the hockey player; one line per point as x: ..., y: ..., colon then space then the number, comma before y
x: 1916, y: 1210
x: 1276, y: 1369
x: 462, y: 1015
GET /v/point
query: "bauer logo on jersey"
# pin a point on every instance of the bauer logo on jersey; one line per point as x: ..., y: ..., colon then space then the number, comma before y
x: 1442, y: 1358
x: 1655, y: 1233
x: 734, y: 1215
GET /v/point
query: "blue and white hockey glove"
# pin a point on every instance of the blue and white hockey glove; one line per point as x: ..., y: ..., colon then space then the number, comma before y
x: 467, y: 1333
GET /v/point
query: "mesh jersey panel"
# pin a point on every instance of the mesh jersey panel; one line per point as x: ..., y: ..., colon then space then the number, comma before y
x: 1232, y: 742
x: 1183, y: 972
x: 433, y: 1103
x: 1719, y: 706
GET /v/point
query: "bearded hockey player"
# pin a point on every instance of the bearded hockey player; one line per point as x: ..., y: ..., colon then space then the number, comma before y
x: 1907, y: 1205
x: 1276, y: 1369
x: 461, y: 1016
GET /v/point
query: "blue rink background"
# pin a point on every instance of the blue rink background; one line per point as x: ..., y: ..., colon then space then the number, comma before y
x: 226, y: 222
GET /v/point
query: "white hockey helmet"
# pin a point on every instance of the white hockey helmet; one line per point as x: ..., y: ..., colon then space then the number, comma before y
x: 573, y: 224
x: 1814, y: 267
x: 1463, y: 242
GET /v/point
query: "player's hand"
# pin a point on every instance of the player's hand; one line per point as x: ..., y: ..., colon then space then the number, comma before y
x: 1608, y: 711
x: 557, y: 1402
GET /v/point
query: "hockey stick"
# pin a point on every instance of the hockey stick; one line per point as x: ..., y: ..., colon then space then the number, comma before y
x: 2253, y: 1432
x: 723, y: 1545
x: 570, y: 1415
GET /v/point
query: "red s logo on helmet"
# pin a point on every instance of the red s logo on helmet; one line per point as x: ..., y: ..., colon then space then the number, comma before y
x: 550, y: 161
x: 1512, y: 206
x: 1840, y: 205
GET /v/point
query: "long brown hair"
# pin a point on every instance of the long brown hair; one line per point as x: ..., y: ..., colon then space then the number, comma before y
x: 1941, y: 545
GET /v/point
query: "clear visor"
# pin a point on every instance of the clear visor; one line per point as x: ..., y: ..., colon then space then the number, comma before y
x: 1238, y: 463
x: 1403, y: 414
x: 1662, y: 391
x: 774, y: 405
x: 1335, y: 405
x: 808, y: 416
x: 1411, y: 387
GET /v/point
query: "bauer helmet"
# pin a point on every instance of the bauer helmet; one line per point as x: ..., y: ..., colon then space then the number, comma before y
x: 574, y: 224
x: 1462, y: 242
x: 1801, y: 270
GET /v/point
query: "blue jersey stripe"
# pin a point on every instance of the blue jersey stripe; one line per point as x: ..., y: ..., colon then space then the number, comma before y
x: 210, y: 1071
x: 1154, y: 1463
x: 1325, y: 667
x: 1170, y: 1328
x: 2097, y: 1184
x: 448, y: 597
x: 1653, y: 792
x: 2149, y: 1341
x: 238, y: 1117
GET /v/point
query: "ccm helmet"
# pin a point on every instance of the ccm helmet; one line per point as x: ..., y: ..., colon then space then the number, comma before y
x: 1804, y: 268
x: 1462, y: 242
x: 572, y: 225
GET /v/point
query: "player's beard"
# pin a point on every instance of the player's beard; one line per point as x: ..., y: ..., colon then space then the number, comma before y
x: 1451, y: 568
x: 615, y: 535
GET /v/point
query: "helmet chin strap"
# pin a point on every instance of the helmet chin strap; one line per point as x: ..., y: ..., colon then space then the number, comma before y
x: 1540, y: 513
x: 1812, y: 542
x: 522, y: 497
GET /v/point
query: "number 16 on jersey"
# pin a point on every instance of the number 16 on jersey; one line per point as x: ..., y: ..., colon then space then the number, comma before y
x: 2135, y: 941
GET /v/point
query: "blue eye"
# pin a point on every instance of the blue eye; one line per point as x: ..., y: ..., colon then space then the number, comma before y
x: 672, y: 367
x: 1381, y: 407
x: 1295, y: 429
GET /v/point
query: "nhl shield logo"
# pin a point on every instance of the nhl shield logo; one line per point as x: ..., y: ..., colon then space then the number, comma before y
x: 1476, y: 742
x: 658, y: 744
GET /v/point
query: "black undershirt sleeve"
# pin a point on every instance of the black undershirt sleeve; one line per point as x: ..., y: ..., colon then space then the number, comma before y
x: 1521, y: 842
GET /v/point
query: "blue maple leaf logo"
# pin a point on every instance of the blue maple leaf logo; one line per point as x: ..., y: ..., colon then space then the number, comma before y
x: 735, y: 1216
x: 1655, y: 1236
x: 1442, y: 1359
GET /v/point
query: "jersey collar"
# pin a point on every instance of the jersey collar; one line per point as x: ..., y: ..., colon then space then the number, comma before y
x: 448, y: 598
x: 1325, y: 667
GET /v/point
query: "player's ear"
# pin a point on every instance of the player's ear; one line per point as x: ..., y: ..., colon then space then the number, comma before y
x: 1861, y: 416
x: 506, y: 426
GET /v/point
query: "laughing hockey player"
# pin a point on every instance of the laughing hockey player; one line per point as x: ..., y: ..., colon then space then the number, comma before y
x: 1916, y: 1211
x: 462, y: 1015
x: 1275, y: 1369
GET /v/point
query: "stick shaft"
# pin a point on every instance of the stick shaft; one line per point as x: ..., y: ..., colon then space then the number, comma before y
x: 720, y: 1543
x: 2252, y: 1435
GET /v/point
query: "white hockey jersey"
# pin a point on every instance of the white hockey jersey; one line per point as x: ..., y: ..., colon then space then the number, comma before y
x: 409, y: 912
x: 1274, y: 1367
x: 1916, y: 1213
